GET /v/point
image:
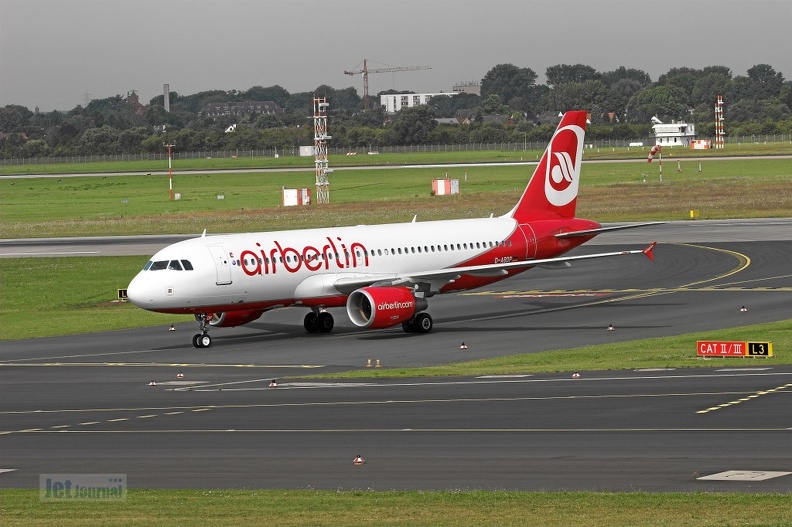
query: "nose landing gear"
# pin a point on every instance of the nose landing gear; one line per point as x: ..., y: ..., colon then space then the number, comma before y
x: 202, y: 339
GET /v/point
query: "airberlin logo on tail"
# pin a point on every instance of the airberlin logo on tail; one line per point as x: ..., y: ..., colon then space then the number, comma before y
x: 563, y: 159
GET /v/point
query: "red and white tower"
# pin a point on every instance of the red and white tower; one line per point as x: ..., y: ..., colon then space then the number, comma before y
x: 719, y: 133
x: 320, y: 150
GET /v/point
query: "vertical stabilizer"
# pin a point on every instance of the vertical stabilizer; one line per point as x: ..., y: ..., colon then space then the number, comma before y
x: 553, y: 188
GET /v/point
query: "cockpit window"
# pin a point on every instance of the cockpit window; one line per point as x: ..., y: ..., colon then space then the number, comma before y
x: 173, y: 265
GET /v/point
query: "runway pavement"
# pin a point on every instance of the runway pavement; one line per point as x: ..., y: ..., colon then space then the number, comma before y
x: 83, y: 404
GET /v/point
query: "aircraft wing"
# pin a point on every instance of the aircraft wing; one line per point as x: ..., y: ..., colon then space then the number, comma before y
x: 430, y: 282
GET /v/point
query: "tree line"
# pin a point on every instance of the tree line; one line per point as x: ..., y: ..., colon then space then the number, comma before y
x: 511, y: 108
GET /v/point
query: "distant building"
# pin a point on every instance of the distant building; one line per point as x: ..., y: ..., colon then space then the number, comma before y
x: 471, y: 87
x: 240, y: 109
x: 393, y: 102
x: 674, y: 134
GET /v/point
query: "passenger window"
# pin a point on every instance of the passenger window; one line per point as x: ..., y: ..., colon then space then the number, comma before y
x: 187, y: 265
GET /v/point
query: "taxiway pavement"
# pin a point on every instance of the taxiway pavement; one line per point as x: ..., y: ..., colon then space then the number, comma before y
x: 83, y: 404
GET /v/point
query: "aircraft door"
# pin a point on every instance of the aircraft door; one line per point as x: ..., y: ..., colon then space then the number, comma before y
x: 222, y: 264
x: 530, y: 240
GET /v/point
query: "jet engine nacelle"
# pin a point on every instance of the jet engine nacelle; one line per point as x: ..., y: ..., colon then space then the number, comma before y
x: 232, y: 319
x: 383, y: 307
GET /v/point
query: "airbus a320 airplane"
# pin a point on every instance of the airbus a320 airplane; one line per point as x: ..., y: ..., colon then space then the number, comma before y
x: 382, y: 274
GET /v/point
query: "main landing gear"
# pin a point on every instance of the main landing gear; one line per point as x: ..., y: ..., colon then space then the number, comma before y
x: 318, y: 322
x: 202, y: 339
x: 420, y: 323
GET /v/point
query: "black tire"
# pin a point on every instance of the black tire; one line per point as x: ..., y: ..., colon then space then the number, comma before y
x: 423, y: 323
x: 325, y: 322
x: 408, y: 326
x: 197, y: 340
x: 205, y: 340
x: 311, y: 323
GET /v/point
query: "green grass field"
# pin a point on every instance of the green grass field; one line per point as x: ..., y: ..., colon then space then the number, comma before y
x: 129, y: 205
x: 165, y: 508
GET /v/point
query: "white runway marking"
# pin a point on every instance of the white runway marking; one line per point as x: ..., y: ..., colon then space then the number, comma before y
x: 744, y: 475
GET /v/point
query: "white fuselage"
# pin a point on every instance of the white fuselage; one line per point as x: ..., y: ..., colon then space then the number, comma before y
x: 273, y: 269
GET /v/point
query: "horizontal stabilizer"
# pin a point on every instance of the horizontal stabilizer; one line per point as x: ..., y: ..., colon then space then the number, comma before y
x: 593, y: 232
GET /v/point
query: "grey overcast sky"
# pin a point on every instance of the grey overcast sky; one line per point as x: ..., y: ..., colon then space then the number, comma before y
x: 55, y: 53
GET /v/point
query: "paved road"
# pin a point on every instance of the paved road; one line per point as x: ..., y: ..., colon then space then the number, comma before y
x: 362, y: 167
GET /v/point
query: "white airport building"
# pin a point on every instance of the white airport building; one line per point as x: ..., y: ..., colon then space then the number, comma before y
x: 393, y: 102
x: 674, y: 134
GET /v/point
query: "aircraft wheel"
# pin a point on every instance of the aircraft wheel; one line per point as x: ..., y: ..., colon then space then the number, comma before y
x: 409, y: 326
x: 197, y: 340
x: 204, y: 340
x: 423, y: 323
x: 325, y: 322
x: 311, y: 323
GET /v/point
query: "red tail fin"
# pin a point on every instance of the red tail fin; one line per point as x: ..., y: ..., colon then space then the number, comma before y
x: 552, y: 190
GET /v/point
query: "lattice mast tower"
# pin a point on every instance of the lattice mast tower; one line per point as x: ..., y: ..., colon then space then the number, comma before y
x: 320, y: 150
x: 719, y: 133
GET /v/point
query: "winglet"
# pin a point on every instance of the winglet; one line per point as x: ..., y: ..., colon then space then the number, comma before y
x: 649, y: 251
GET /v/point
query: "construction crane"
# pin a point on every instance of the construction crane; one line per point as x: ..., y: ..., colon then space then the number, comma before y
x: 365, y: 72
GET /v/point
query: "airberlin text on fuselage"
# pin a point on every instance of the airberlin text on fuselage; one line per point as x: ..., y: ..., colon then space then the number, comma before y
x: 261, y: 261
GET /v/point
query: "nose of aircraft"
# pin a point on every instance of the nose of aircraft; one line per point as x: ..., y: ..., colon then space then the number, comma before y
x: 140, y: 292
